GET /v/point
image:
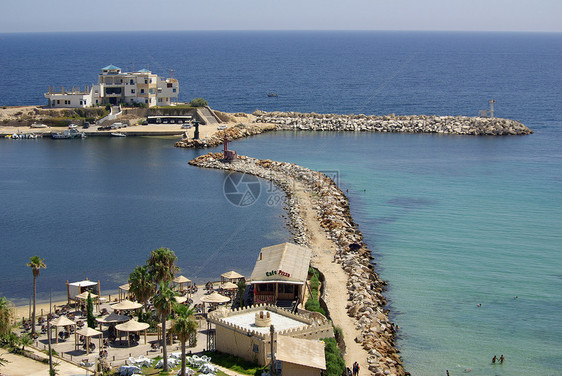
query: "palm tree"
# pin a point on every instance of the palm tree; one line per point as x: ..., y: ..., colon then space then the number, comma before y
x: 25, y: 340
x: 184, y: 326
x: 162, y: 265
x: 164, y: 302
x: 141, y: 285
x: 36, y: 264
x: 6, y: 315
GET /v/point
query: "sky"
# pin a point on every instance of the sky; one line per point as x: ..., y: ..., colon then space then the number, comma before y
x: 135, y: 15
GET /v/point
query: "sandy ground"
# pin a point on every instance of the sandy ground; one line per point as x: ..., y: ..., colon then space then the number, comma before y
x: 336, y: 292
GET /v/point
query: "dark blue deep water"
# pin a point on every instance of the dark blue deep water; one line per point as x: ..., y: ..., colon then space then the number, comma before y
x: 453, y: 221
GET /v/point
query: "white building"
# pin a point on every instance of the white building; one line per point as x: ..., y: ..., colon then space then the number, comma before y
x: 115, y: 87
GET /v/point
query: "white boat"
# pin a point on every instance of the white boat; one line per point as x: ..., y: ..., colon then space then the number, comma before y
x: 118, y: 134
x: 38, y: 125
x: 67, y: 134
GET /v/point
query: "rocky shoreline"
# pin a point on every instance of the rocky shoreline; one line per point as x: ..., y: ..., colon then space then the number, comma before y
x: 232, y: 133
x: 454, y: 125
x: 365, y: 302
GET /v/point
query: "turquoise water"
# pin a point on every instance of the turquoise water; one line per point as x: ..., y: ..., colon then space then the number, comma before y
x: 455, y: 222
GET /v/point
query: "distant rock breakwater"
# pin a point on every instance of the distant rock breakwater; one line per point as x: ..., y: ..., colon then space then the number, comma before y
x: 455, y: 125
x: 232, y: 133
x: 365, y: 300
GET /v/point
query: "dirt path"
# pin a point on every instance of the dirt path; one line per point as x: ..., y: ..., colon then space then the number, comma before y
x: 336, y: 280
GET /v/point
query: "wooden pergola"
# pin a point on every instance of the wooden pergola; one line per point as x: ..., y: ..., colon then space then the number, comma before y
x: 132, y: 326
x: 61, y: 321
x: 87, y: 332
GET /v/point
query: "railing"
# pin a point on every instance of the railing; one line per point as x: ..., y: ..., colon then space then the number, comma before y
x: 258, y: 299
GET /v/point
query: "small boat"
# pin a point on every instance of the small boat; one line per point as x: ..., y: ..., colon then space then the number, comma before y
x: 67, y: 134
x: 272, y: 95
x: 118, y: 134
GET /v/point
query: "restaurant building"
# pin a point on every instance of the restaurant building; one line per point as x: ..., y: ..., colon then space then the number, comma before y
x: 280, y: 274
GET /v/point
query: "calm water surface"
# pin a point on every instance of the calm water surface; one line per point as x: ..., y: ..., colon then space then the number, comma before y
x: 453, y: 221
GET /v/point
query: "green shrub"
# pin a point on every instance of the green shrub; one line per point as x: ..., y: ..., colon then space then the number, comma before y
x: 335, y: 365
x: 198, y: 102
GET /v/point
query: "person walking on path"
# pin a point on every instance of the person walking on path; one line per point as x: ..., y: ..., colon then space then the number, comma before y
x: 355, y: 369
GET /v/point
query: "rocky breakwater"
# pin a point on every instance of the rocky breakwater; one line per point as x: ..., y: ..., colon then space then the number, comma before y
x: 232, y: 133
x: 365, y: 300
x: 457, y: 125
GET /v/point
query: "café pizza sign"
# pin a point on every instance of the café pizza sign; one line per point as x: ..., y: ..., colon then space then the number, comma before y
x: 277, y: 272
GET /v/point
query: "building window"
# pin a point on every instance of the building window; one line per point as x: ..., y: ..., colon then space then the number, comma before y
x: 132, y: 82
x: 142, y: 91
x: 146, y: 101
x: 80, y: 103
x: 174, y: 90
x: 151, y: 91
x: 169, y: 84
x: 132, y: 91
x: 145, y: 81
x: 58, y: 101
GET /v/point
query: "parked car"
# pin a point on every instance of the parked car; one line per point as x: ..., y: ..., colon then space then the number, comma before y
x: 72, y: 126
x: 86, y: 125
x: 221, y: 127
x: 186, y: 126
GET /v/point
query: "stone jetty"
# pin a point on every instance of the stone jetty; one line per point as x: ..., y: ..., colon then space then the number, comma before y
x: 365, y: 301
x: 232, y: 133
x: 454, y: 125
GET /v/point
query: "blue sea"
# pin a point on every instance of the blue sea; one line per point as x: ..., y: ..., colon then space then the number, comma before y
x: 466, y: 230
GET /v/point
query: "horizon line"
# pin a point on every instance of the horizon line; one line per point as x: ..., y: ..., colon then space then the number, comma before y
x: 286, y: 30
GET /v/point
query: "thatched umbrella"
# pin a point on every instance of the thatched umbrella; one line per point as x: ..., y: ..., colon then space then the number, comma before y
x: 229, y: 286
x: 168, y: 327
x: 123, y: 291
x: 180, y: 299
x: 132, y: 326
x: 214, y: 298
x: 126, y: 305
x: 112, y: 318
x: 180, y: 280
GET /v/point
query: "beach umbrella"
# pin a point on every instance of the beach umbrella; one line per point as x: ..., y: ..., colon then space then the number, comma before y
x: 180, y: 280
x: 123, y: 290
x: 215, y: 297
x: 126, y: 305
x: 84, y: 295
x: 229, y: 286
x: 168, y: 328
